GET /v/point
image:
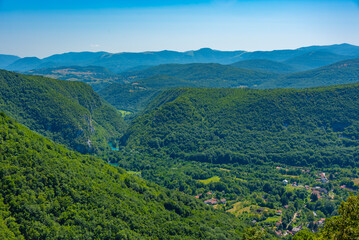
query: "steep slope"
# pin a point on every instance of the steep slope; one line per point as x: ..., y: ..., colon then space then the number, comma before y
x: 338, y: 73
x: 316, y: 126
x: 315, y: 59
x: 264, y: 66
x: 48, y: 192
x: 68, y: 112
x: 96, y: 77
x: 6, y: 60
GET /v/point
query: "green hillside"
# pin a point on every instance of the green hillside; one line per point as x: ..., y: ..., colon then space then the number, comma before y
x: 264, y: 66
x: 338, y: 73
x: 316, y: 126
x: 48, y: 192
x: 68, y: 112
x: 206, y: 74
x: 96, y: 77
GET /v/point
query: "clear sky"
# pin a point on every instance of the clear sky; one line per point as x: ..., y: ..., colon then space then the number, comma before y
x: 42, y: 28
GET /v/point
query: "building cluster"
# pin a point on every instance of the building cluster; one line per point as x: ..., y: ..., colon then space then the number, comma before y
x: 214, y: 201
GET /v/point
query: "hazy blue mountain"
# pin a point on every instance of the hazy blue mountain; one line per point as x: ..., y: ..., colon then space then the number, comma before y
x: 341, y: 49
x: 264, y: 66
x: 24, y: 64
x: 122, y: 61
x: 338, y: 73
x: 6, y: 60
x: 276, y: 55
x: 76, y: 58
x: 316, y: 59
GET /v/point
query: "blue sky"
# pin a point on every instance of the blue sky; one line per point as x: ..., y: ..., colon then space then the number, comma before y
x: 42, y: 28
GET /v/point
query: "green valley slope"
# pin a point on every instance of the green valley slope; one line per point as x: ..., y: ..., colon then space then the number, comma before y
x: 317, y: 126
x: 70, y: 113
x: 48, y: 192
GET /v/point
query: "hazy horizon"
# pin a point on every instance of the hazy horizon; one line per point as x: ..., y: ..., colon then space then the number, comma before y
x: 42, y: 29
x: 173, y: 50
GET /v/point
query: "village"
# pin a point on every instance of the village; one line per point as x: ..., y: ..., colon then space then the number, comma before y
x: 283, y: 220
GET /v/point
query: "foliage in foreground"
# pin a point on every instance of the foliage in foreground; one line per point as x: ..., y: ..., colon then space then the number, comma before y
x: 48, y: 192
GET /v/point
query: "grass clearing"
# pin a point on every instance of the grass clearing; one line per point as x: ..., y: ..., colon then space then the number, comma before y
x: 209, y: 180
x: 238, y: 208
x: 273, y: 219
x: 124, y: 113
x: 223, y: 169
x: 356, y: 181
x: 290, y: 176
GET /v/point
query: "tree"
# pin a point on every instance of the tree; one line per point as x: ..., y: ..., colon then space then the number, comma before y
x: 304, y: 235
x: 346, y: 225
x: 254, y: 233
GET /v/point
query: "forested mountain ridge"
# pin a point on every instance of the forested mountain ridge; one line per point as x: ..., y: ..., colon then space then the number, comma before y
x: 342, y: 72
x: 206, y: 74
x: 49, y: 192
x: 317, y: 126
x: 68, y: 112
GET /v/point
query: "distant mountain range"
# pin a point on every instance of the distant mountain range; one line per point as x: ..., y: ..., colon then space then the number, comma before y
x: 312, y: 57
x: 143, y: 85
